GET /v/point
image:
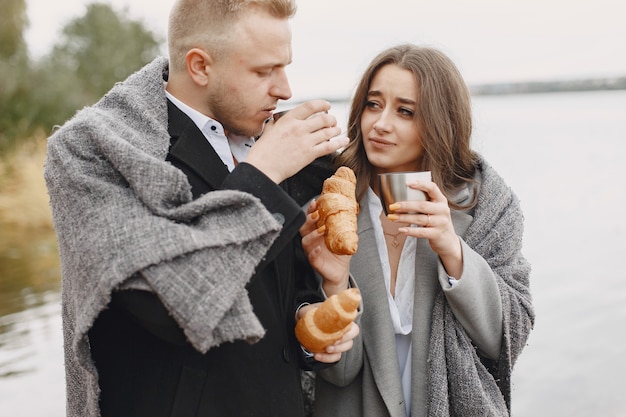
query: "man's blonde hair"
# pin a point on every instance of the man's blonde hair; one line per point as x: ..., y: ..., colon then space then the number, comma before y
x: 208, y: 24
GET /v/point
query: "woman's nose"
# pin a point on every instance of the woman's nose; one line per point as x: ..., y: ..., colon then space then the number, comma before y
x: 382, y: 124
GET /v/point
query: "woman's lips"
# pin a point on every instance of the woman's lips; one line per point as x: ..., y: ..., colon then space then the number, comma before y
x: 381, y: 143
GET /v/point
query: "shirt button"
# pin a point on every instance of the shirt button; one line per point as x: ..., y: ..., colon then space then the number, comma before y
x: 279, y: 218
x: 213, y: 128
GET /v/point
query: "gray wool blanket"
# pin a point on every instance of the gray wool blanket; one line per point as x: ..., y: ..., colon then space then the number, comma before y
x: 124, y: 217
x: 462, y: 383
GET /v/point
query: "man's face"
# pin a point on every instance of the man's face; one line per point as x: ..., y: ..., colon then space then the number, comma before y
x: 248, y: 81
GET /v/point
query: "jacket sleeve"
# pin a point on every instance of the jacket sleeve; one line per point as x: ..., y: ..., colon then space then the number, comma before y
x: 475, y: 301
x: 149, y: 312
x: 283, y: 208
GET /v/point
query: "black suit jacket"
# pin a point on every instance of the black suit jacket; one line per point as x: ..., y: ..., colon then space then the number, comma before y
x: 145, y: 364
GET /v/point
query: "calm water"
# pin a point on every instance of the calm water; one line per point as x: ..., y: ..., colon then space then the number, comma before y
x: 31, y: 353
x: 564, y: 156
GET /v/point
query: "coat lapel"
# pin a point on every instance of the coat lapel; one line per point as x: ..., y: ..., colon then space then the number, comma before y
x: 191, y: 148
x: 379, y: 339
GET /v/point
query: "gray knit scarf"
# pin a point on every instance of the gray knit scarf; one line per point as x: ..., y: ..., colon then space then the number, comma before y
x: 124, y: 215
x: 461, y: 383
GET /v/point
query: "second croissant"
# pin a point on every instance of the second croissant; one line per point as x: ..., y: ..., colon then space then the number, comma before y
x: 325, y: 324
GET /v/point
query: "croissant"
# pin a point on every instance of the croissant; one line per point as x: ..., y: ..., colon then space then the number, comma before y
x: 337, y: 208
x: 324, y: 325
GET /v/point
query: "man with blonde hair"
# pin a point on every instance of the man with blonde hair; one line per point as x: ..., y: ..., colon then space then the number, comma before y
x: 177, y: 202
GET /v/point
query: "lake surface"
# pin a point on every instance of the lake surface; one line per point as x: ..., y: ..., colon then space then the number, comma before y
x: 562, y: 153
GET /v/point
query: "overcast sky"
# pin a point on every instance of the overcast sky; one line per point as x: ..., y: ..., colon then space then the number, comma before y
x: 490, y: 40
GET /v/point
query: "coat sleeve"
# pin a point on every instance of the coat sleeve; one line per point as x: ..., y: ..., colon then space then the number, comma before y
x: 475, y: 301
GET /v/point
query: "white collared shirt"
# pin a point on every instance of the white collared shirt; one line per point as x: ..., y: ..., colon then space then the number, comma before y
x: 213, y: 131
x: 401, y: 307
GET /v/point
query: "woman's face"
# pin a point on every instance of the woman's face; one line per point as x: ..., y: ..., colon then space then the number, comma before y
x: 391, y: 135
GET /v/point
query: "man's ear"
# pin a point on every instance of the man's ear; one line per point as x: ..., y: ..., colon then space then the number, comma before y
x: 198, y: 65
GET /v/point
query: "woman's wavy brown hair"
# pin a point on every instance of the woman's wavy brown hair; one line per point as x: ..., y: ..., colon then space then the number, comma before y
x: 443, y: 111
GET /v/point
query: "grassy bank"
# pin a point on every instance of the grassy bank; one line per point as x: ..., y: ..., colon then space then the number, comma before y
x: 23, y: 194
x: 29, y: 262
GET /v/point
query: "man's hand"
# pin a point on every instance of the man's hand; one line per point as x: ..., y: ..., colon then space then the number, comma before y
x: 304, y: 134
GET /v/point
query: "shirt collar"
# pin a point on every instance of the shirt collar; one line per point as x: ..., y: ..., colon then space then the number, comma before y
x: 201, y: 120
x: 213, y: 131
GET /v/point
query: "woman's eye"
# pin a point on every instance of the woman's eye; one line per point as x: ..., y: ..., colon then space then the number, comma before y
x: 406, y: 112
x: 371, y: 104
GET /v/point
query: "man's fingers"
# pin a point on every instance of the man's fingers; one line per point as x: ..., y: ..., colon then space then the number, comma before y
x: 309, y: 108
x: 332, y: 145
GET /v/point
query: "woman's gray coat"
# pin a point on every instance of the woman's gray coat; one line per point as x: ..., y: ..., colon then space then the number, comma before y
x: 450, y: 376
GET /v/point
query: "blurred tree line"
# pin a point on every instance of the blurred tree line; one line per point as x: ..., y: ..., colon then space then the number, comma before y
x: 94, y: 52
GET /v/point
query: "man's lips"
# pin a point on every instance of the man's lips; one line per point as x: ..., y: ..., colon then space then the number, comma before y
x: 267, y: 113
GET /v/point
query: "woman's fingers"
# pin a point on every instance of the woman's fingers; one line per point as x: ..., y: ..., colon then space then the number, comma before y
x: 333, y: 352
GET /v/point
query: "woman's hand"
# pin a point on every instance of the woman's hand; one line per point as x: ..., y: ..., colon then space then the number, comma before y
x: 436, y: 225
x: 334, y: 269
x: 334, y: 351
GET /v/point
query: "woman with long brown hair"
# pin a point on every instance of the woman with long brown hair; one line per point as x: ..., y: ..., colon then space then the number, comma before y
x: 446, y: 303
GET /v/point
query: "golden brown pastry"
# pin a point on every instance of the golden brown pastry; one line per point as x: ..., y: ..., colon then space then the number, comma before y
x: 324, y: 325
x: 337, y: 208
